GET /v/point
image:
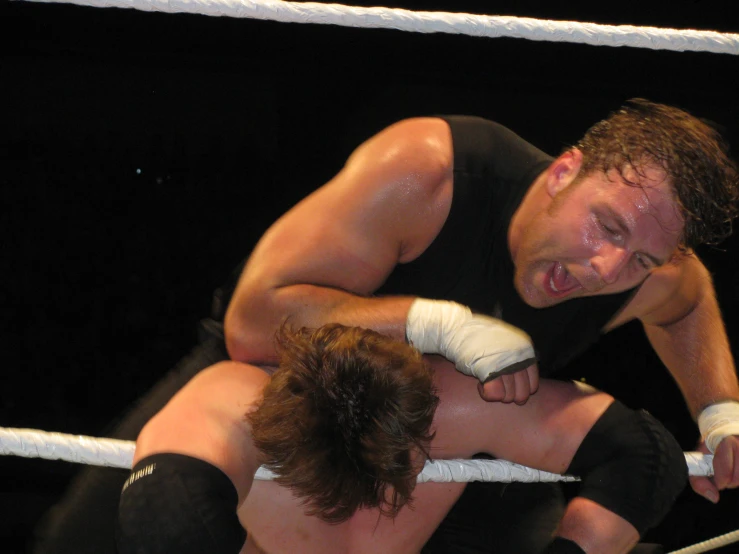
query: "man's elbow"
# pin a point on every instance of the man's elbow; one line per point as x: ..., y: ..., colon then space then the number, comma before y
x: 236, y: 336
x: 232, y: 335
x: 247, y: 339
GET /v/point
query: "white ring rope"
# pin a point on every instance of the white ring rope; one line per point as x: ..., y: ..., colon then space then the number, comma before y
x: 711, y: 544
x: 440, y: 22
x: 30, y: 443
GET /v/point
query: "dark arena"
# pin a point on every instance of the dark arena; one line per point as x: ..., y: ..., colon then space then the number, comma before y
x: 145, y: 154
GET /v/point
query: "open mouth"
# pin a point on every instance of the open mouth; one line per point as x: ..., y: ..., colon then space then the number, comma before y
x: 558, y: 282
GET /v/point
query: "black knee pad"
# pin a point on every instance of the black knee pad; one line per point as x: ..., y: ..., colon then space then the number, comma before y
x: 175, y: 503
x: 631, y: 465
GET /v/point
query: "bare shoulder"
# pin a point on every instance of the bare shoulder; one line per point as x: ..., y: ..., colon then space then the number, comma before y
x: 386, y: 205
x: 229, y: 379
x: 416, y: 154
x: 669, y: 293
x: 420, y: 140
x: 222, y: 392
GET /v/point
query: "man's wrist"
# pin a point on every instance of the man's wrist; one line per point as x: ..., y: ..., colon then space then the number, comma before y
x: 718, y: 421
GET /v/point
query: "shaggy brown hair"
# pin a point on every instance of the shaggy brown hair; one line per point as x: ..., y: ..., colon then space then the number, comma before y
x: 692, y: 154
x: 342, y: 418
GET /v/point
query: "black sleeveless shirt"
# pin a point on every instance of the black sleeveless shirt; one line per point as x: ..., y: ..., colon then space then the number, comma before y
x: 469, y: 262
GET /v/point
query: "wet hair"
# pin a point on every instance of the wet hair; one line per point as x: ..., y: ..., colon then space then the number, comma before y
x: 691, y: 152
x: 342, y: 418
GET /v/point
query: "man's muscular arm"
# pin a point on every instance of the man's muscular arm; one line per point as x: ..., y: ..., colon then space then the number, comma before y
x: 678, y: 308
x: 322, y: 260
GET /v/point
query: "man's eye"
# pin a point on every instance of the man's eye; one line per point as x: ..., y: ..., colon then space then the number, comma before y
x: 613, y: 232
x: 641, y: 261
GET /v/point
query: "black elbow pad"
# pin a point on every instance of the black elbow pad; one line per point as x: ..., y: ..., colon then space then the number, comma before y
x: 176, y: 503
x: 631, y: 465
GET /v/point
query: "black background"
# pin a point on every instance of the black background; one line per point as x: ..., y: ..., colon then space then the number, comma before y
x: 142, y: 154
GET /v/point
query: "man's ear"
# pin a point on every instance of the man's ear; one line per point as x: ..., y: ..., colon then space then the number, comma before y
x: 563, y: 171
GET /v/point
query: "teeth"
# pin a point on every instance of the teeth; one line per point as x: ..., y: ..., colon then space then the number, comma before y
x: 551, y: 284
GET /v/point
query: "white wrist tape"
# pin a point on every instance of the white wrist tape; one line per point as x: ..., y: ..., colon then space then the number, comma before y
x: 717, y: 422
x: 478, y: 345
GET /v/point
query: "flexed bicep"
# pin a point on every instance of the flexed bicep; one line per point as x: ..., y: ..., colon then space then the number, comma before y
x: 322, y: 259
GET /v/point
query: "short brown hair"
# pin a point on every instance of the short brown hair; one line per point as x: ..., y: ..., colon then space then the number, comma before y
x: 341, y: 417
x: 691, y: 152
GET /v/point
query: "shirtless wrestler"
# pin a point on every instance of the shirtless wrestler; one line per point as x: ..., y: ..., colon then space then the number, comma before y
x: 346, y: 421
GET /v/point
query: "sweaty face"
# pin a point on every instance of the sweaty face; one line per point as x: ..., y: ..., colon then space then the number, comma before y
x: 598, y: 235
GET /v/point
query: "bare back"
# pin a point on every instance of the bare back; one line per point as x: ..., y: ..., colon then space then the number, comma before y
x: 276, y: 524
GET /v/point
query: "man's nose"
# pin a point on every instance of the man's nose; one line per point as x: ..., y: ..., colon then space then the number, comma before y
x: 609, y: 262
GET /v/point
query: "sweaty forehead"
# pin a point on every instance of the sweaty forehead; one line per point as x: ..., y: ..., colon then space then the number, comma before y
x: 647, y: 191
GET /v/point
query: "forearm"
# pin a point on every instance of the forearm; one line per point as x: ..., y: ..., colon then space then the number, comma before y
x: 696, y: 351
x: 254, y: 316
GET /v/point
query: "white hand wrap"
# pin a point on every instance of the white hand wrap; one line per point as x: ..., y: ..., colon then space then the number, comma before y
x: 719, y: 421
x: 478, y: 345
